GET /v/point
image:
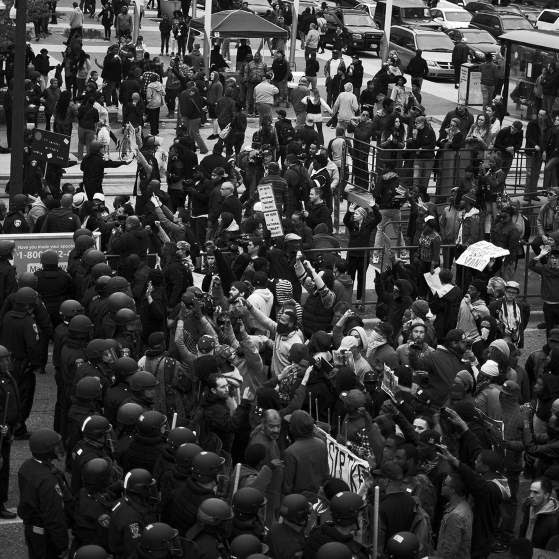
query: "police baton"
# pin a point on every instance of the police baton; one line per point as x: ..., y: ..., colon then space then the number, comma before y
x: 4, y: 419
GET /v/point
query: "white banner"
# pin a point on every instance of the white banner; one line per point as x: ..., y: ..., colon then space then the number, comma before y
x: 344, y: 464
x: 478, y: 255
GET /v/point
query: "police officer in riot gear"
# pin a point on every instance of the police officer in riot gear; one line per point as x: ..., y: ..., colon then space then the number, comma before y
x: 287, y: 537
x: 248, y: 504
x: 123, y: 369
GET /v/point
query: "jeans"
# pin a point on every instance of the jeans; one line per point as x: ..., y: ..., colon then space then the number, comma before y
x: 487, y: 94
x: 533, y: 166
x: 85, y: 137
x: 508, y: 508
x: 250, y: 98
x: 165, y: 44
x: 48, y: 116
x: 192, y: 126
x: 282, y: 95
x: 171, y: 99
x: 355, y: 266
x: 111, y: 93
x: 153, y: 119
x: 422, y: 173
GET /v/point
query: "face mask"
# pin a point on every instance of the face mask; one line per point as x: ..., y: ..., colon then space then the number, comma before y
x: 283, y: 329
x: 485, y: 333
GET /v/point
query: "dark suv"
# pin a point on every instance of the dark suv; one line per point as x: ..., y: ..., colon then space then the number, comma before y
x: 360, y: 32
x: 498, y: 23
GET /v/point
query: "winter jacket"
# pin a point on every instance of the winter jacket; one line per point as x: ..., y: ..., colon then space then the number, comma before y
x: 539, y: 526
x: 424, y: 143
x: 155, y: 95
x: 455, y: 533
x: 550, y: 281
x: 60, y: 220
x: 319, y: 213
x: 548, y: 220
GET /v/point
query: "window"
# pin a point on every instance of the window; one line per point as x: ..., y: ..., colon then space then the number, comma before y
x: 435, y: 42
x: 416, y: 13
x: 396, y: 37
x: 358, y: 20
x: 458, y: 16
x: 407, y: 41
x: 547, y: 16
x: 516, y: 23
x: 437, y: 13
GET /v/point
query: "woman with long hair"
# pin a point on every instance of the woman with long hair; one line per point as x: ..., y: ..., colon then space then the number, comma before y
x: 494, y: 125
x: 392, y: 138
x: 65, y: 114
x: 315, y: 105
x: 476, y: 140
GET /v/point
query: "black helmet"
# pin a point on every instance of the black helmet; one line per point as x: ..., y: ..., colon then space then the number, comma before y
x: 244, y: 545
x: 83, y: 243
x: 247, y: 501
x: 206, y: 466
x: 70, y: 308
x: 101, y: 269
x: 92, y: 257
x: 185, y: 454
x: 151, y: 423
x: 101, y: 285
x: 119, y: 301
x: 44, y: 443
x: 334, y: 550
x: 180, y: 435
x: 28, y: 279
x: 25, y: 296
x: 125, y: 316
x: 295, y: 508
x: 140, y: 482
x: 142, y: 380
x: 159, y: 538
x: 6, y: 247
x: 83, y: 231
x: 403, y: 545
x: 95, y: 427
x: 89, y: 388
x: 129, y: 413
x: 345, y: 507
x: 125, y: 367
x: 96, y: 473
x: 80, y: 325
x: 90, y: 552
x: 213, y: 512
x: 95, y: 348
x: 118, y: 283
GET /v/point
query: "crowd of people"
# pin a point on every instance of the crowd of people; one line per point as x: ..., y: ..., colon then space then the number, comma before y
x: 200, y: 362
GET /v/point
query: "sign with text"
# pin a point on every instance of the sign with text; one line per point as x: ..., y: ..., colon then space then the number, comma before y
x: 478, y: 255
x: 29, y: 247
x: 271, y: 214
x: 50, y: 146
x: 389, y: 382
x: 344, y: 464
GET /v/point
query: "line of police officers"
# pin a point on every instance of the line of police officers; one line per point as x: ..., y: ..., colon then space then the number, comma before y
x: 137, y: 488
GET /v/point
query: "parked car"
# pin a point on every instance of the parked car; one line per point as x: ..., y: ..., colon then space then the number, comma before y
x: 479, y: 41
x: 548, y: 20
x: 476, y: 6
x: 531, y: 13
x: 259, y: 7
x: 497, y: 23
x: 359, y: 29
x: 436, y: 47
x: 405, y: 12
x: 450, y: 16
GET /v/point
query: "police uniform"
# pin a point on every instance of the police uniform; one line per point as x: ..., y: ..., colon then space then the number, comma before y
x: 115, y: 396
x: 328, y: 532
x: 42, y: 496
x: 204, y: 542
x: 92, y: 369
x: 59, y: 337
x: 82, y: 453
x: 128, y: 519
x: 16, y: 223
x: 20, y: 334
x: 8, y: 385
x: 8, y: 282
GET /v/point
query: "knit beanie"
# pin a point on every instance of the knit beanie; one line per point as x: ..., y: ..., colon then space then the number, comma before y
x: 502, y: 346
x: 490, y: 368
x: 284, y: 290
x: 420, y: 308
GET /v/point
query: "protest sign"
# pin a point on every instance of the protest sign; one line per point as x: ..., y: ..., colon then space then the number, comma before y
x: 344, y: 464
x: 478, y: 255
x: 271, y: 214
x: 389, y: 382
x: 433, y: 280
x: 51, y: 146
x: 29, y: 247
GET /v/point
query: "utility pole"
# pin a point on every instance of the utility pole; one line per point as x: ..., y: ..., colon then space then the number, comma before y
x: 18, y: 100
x: 293, y: 42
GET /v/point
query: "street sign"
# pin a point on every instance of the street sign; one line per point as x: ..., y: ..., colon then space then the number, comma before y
x: 52, y: 147
x: 29, y: 247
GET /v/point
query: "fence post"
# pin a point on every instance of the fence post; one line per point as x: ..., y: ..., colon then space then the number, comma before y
x: 365, y: 266
x: 526, y: 259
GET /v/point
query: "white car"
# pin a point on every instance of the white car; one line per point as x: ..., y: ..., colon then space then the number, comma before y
x: 450, y: 16
x: 548, y: 20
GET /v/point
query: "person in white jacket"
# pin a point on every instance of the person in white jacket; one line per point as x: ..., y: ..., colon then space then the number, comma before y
x: 155, y: 99
x: 261, y: 298
x: 346, y: 106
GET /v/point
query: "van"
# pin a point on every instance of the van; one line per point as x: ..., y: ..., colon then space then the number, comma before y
x: 548, y: 20
x: 405, y: 12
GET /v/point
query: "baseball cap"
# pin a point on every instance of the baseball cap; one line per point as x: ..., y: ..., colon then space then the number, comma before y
x: 512, y: 285
x: 510, y: 389
x: 348, y: 342
x: 99, y: 196
x: 292, y: 237
x: 353, y: 398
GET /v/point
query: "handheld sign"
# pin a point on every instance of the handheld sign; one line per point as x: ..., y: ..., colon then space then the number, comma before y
x: 271, y: 214
x: 51, y: 146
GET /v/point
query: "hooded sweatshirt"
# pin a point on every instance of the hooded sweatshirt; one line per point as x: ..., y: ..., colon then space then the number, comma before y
x: 262, y: 299
x: 541, y: 525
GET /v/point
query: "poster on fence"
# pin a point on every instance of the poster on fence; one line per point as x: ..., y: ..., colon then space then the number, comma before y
x: 478, y: 255
x: 344, y: 464
x: 30, y: 246
x: 544, y: 554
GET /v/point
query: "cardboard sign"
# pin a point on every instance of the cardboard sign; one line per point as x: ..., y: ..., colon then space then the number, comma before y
x: 271, y: 214
x: 29, y: 247
x: 390, y: 382
x: 344, y: 464
x: 51, y: 146
x: 478, y: 255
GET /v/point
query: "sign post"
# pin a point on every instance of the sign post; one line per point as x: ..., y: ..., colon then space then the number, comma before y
x: 271, y: 214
